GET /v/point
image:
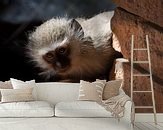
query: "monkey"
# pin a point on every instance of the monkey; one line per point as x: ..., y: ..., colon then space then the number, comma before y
x: 70, y: 50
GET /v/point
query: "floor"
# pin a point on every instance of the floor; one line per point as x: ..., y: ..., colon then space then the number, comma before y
x: 148, y: 126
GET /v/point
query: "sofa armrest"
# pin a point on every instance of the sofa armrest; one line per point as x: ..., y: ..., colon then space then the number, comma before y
x: 128, y: 111
x: 128, y: 114
x: 126, y: 120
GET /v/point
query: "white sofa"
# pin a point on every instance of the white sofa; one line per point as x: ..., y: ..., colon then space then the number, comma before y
x: 65, y: 92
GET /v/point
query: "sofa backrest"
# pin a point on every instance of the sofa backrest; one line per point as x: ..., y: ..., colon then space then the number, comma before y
x: 55, y: 92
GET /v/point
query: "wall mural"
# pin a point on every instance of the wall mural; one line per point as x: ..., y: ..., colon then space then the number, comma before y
x: 60, y: 49
x: 67, y: 49
x: 70, y: 50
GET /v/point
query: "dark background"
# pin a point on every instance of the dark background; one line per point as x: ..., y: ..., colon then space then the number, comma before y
x: 19, y: 17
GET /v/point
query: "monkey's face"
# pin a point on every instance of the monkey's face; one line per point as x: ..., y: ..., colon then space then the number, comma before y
x: 62, y: 56
x: 58, y: 59
x: 54, y: 44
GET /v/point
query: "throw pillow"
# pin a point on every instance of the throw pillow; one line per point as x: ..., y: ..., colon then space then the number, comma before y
x: 18, y: 84
x: 5, y: 85
x: 91, y: 91
x: 111, y: 89
x: 16, y: 95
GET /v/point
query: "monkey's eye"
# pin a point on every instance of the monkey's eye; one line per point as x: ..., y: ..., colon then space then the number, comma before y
x: 62, y: 50
x: 49, y: 56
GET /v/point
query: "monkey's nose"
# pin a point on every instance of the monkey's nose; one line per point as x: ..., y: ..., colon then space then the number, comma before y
x: 58, y: 64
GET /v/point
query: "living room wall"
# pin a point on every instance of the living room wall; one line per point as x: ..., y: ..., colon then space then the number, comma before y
x: 131, y: 17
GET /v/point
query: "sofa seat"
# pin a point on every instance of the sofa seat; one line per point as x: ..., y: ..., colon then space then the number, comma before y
x: 81, y: 109
x: 26, y: 109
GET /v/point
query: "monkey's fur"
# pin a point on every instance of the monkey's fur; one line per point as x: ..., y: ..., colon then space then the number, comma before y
x: 71, y: 50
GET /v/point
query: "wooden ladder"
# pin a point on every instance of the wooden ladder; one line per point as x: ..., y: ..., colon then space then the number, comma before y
x: 148, y: 75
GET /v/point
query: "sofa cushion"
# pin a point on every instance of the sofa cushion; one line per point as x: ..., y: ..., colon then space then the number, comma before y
x: 5, y: 85
x: 18, y: 84
x: 80, y: 109
x: 91, y: 91
x: 26, y: 109
x: 111, y: 89
x: 16, y: 95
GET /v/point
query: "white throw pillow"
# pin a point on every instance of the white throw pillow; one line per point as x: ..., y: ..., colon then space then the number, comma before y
x: 16, y: 95
x: 26, y: 109
x: 18, y: 84
x: 91, y: 91
x: 5, y: 85
x: 80, y: 109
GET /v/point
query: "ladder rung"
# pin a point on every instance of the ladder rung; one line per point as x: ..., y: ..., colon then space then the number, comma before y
x: 143, y: 106
x: 140, y: 49
x: 142, y: 91
x: 140, y: 61
x: 141, y: 74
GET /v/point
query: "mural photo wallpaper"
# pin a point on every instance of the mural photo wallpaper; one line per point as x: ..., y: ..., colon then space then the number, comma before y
x: 73, y: 40
x: 55, y: 40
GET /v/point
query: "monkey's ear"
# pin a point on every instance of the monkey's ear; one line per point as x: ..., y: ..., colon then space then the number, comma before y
x: 77, y: 28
